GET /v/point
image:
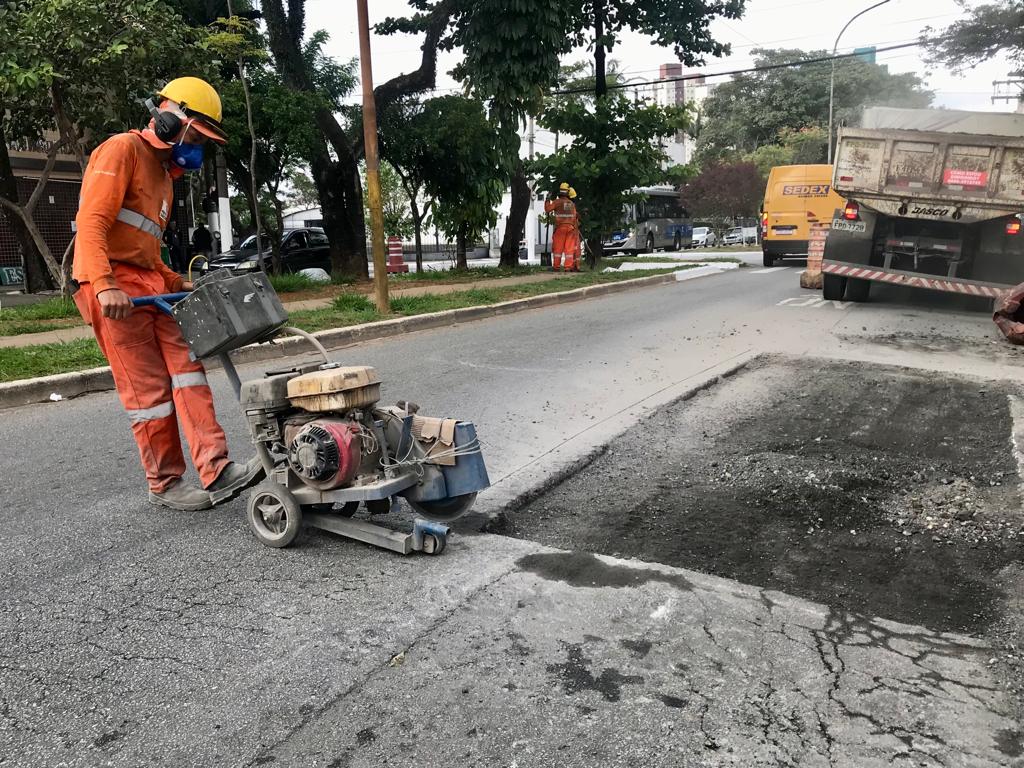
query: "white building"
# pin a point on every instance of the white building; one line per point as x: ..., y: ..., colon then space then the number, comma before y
x: 677, y: 93
x: 303, y: 217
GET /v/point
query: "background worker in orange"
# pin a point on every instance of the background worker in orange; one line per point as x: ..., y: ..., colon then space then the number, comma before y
x: 562, y: 245
x: 125, y: 204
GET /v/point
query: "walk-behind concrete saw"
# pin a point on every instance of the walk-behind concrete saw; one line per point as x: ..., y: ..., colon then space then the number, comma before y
x: 325, y: 443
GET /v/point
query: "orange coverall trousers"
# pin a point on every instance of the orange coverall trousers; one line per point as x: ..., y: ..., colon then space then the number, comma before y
x: 565, y: 243
x: 156, y: 379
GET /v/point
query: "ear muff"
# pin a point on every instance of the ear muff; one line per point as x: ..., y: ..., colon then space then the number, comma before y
x: 166, y: 125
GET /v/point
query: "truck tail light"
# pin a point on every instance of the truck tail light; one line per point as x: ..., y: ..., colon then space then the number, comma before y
x: 1013, y: 226
x: 764, y: 222
x: 851, y: 212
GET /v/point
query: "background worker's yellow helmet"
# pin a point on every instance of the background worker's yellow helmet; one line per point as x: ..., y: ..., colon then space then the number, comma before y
x: 572, y: 193
x: 563, y: 187
x: 199, y: 102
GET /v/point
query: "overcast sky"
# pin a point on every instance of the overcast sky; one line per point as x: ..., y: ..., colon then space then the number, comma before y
x: 805, y: 24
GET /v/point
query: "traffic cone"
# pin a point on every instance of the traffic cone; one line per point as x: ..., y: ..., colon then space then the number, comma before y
x: 395, y: 261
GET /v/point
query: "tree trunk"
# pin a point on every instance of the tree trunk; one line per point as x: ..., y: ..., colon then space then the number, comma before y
x: 600, y: 81
x: 595, y: 247
x: 515, y: 226
x: 37, y: 276
x: 417, y: 226
x: 460, y: 247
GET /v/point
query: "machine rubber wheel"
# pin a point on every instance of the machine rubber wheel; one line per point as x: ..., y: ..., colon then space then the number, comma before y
x: 444, y: 510
x: 833, y: 287
x: 650, y: 244
x: 274, y: 515
x: 440, y: 542
x: 768, y: 261
x: 857, y: 290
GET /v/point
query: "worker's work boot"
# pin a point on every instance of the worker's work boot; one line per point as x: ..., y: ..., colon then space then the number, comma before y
x: 183, y: 497
x: 234, y: 479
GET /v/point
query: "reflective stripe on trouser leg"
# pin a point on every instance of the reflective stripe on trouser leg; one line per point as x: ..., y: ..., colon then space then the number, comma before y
x: 144, y: 387
x: 193, y: 401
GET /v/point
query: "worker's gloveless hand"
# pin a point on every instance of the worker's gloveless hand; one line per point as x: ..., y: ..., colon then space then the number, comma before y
x: 114, y: 303
x: 187, y: 285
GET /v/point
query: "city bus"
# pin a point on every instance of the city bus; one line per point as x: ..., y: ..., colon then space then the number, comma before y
x: 656, y: 219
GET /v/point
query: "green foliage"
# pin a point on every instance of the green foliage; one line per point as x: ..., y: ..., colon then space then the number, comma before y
x: 988, y: 30
x: 805, y: 147
x: 724, y: 193
x: 463, y: 160
x: 46, y: 359
x: 757, y: 108
x: 354, y: 302
x: 51, y: 309
x: 397, y: 219
x: 293, y: 283
x: 603, y: 177
x: 301, y: 191
x: 96, y: 58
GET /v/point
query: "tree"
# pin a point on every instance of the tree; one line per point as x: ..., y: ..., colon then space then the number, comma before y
x: 284, y: 136
x: 724, y: 193
x: 988, y: 30
x: 616, y: 146
x: 78, y: 68
x: 804, y: 147
x: 757, y: 108
x: 405, y: 143
x: 397, y: 220
x: 301, y: 190
x: 464, y: 159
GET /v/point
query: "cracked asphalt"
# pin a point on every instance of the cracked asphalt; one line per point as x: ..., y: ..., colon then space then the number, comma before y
x: 132, y: 636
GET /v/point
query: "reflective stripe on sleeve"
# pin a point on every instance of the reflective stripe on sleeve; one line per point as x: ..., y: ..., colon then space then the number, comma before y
x: 140, y: 222
x: 161, y: 411
x: 195, y: 379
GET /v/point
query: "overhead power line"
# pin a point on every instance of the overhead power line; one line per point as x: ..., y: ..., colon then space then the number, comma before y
x: 763, y: 68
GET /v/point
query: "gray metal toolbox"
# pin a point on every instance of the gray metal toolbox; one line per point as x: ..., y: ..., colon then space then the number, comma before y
x: 227, y: 311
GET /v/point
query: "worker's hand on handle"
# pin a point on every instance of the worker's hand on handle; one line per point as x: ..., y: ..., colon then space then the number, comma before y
x: 187, y: 286
x: 114, y: 303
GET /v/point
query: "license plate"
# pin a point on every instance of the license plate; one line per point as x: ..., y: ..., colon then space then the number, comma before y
x: 783, y: 230
x: 842, y: 225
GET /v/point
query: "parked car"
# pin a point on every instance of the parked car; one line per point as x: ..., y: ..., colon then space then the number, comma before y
x: 740, y: 235
x: 300, y: 249
x: 703, y: 237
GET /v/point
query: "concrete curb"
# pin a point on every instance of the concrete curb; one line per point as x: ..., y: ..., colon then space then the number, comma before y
x: 76, y: 383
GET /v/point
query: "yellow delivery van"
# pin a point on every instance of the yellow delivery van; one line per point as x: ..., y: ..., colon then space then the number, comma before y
x: 796, y: 197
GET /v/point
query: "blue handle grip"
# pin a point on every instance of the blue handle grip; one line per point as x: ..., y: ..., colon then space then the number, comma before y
x: 163, y: 302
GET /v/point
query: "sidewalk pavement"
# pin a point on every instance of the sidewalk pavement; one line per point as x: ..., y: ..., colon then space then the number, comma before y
x: 64, y: 335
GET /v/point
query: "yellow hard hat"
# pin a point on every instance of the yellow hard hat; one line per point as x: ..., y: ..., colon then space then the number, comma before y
x: 563, y: 187
x: 200, y: 102
x: 572, y: 193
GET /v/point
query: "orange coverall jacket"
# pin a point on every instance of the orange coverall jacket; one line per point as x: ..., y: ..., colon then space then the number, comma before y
x: 126, y: 202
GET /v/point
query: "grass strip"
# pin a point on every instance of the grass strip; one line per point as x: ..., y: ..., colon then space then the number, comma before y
x: 47, y: 359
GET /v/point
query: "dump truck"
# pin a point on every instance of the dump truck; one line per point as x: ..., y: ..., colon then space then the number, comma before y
x: 933, y: 200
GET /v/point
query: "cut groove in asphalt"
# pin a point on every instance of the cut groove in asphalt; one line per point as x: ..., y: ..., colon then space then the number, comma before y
x: 870, y: 489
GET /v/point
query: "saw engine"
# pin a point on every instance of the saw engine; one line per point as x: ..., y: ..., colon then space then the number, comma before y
x: 324, y: 429
x: 325, y: 453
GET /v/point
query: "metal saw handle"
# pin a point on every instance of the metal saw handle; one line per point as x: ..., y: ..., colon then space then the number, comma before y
x: 164, y: 302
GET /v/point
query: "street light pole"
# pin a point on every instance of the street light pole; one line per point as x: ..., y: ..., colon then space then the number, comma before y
x: 832, y: 79
x: 380, y: 268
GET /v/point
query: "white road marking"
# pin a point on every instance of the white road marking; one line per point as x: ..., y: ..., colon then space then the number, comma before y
x: 815, y: 302
x: 766, y: 270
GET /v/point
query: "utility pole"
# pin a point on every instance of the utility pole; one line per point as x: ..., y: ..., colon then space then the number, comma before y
x: 380, y: 268
x: 1010, y: 90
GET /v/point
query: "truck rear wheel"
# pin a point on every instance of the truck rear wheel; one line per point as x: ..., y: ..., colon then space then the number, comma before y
x: 833, y: 287
x: 857, y: 290
x: 767, y: 259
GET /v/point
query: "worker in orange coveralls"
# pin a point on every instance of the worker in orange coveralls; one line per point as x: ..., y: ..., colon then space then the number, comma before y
x: 573, y: 261
x: 125, y: 204
x: 563, y: 244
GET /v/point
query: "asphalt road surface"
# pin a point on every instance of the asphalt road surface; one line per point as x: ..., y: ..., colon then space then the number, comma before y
x: 132, y: 635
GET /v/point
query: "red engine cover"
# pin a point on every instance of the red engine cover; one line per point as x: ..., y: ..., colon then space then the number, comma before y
x: 325, y: 453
